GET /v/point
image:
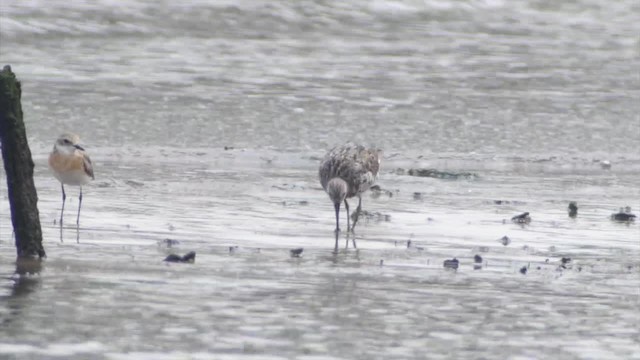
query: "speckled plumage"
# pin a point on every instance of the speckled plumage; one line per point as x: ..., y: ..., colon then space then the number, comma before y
x: 355, y: 164
x: 348, y: 171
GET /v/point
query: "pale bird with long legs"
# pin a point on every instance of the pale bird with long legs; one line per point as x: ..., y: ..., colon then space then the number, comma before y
x: 348, y: 171
x: 71, y: 166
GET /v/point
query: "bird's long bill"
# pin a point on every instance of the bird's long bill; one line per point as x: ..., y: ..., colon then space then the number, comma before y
x: 337, y: 207
x: 78, y: 147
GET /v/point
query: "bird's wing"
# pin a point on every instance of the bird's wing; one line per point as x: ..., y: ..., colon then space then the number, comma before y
x: 88, y: 167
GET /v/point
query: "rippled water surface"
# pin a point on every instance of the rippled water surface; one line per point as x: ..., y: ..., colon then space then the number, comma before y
x: 533, y: 97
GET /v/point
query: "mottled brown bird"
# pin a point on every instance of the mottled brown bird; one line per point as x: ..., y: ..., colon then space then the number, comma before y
x: 348, y: 171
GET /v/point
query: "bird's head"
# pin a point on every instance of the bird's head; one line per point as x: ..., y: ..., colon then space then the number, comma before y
x: 68, y: 143
x: 337, y: 190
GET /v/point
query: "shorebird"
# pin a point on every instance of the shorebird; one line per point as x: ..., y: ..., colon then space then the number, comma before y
x: 348, y: 171
x: 72, y: 166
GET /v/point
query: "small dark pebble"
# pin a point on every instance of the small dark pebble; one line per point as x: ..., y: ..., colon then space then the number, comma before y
x: 477, y: 259
x: 523, y: 218
x: 376, y: 191
x: 505, y: 240
x: 233, y: 248
x: 417, y: 196
x: 565, y: 263
x: 451, y: 264
x: 408, y: 244
x: 538, y: 268
x: 523, y: 270
x: 573, y: 209
x: 189, y: 257
x: 228, y: 147
x: 623, y: 217
x: 173, y: 258
x: 133, y: 183
x: 296, y: 252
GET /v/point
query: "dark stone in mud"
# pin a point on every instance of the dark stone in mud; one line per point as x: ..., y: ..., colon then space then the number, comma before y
x: 296, y: 252
x: 189, y: 257
x: 417, y: 196
x: 505, y: 240
x: 228, y: 147
x: 477, y: 259
x: 232, y: 249
x: 573, y: 209
x: 433, y: 173
x: 523, y: 218
x: 135, y: 184
x: 523, y: 270
x: 376, y: 191
x: 451, y: 264
x: 173, y: 258
x: 565, y: 263
x: 624, y: 215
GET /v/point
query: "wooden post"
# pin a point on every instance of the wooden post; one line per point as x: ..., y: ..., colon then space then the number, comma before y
x: 18, y: 166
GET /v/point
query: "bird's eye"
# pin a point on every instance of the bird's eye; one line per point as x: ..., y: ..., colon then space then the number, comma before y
x: 66, y: 141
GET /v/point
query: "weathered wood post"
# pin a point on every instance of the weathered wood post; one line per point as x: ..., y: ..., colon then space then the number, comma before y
x: 18, y: 166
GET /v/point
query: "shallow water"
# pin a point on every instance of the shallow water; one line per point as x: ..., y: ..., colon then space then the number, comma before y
x: 530, y: 96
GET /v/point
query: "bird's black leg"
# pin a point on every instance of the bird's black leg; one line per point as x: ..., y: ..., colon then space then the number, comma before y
x: 356, y: 214
x: 78, y: 218
x: 337, y: 207
x: 346, y: 206
x: 64, y: 198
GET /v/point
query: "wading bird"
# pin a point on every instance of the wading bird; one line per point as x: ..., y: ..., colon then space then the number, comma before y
x: 72, y: 166
x: 348, y: 171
